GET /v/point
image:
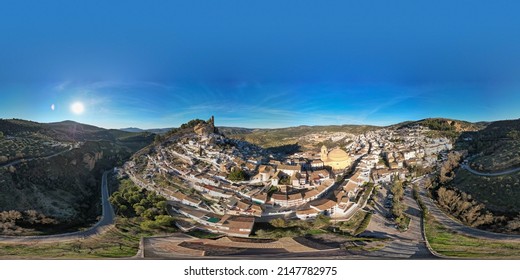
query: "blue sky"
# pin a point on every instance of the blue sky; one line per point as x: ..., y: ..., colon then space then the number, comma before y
x: 259, y: 63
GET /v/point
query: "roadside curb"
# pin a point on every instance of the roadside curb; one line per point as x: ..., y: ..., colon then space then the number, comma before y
x: 423, y: 228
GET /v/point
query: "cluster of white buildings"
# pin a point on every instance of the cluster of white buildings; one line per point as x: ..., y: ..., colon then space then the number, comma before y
x: 196, y: 169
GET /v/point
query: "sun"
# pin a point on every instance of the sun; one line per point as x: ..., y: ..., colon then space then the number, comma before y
x: 77, y: 108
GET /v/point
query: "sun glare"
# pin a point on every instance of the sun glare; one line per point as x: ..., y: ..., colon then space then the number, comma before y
x: 77, y: 108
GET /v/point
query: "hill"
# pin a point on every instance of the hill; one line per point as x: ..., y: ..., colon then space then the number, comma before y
x: 307, y: 137
x: 492, y: 149
x: 153, y: 130
x: 449, y: 128
x: 228, y: 131
x: 57, y: 186
x: 27, y: 139
x: 132, y: 129
x: 496, y: 147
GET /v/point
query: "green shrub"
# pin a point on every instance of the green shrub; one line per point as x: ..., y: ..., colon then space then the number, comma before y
x: 364, y: 224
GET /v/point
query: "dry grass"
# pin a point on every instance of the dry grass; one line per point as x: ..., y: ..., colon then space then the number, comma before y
x: 451, y: 244
x: 121, y: 241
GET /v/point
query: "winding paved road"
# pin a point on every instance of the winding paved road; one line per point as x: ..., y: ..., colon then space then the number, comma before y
x: 106, y: 221
x: 494, y: 174
x: 457, y: 226
x: 18, y: 161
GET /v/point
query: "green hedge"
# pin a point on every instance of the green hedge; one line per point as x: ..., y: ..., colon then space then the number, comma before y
x: 364, y: 224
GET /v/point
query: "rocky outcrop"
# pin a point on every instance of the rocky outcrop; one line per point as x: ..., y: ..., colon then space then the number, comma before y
x: 91, y: 159
x: 205, y: 128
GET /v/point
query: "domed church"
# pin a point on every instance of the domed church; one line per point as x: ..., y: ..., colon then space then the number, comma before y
x: 337, y: 158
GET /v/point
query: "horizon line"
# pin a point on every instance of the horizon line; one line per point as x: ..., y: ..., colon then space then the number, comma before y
x: 244, y: 127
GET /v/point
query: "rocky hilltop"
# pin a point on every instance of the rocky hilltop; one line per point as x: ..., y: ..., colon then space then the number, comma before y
x: 206, y: 128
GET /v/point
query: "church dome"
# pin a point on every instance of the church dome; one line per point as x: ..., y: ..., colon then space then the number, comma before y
x: 338, y: 155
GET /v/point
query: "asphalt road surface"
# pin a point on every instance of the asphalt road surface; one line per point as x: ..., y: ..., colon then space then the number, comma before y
x: 457, y: 226
x: 402, y: 245
x: 18, y: 161
x: 494, y: 174
x: 107, y: 219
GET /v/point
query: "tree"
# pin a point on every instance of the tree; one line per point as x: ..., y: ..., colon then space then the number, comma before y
x: 150, y: 213
x: 286, y: 180
x: 513, y: 134
x: 161, y: 205
x: 164, y: 220
x: 139, y: 209
x: 237, y: 174
x: 158, y: 139
x: 122, y: 210
x: 278, y: 223
x: 321, y: 221
x: 148, y: 225
x: 446, y: 171
x: 514, y: 224
x: 447, y: 198
x: 398, y: 209
x: 397, y: 190
x: 463, y: 207
x: 31, y: 216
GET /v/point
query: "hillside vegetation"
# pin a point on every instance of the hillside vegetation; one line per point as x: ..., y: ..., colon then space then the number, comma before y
x: 26, y: 139
x: 497, y: 146
x: 271, y: 138
x: 444, y: 127
x: 494, y: 148
x: 62, y: 192
x: 65, y: 188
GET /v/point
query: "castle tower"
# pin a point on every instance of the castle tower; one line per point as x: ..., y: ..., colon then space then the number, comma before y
x: 324, y: 153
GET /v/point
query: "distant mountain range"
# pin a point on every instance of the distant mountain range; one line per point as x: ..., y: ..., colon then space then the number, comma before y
x: 73, y: 131
x: 273, y: 137
x: 442, y: 124
x: 152, y: 130
x: 64, y: 131
x: 432, y: 123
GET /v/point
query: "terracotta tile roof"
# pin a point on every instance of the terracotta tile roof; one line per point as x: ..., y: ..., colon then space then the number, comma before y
x: 261, y: 196
x: 279, y: 196
x: 310, y: 193
x: 239, y: 222
x: 243, y: 206
x: 309, y: 211
x: 351, y: 186
x: 192, y: 200
x: 294, y: 196
x: 289, y: 167
x: 179, y: 195
x: 323, y: 204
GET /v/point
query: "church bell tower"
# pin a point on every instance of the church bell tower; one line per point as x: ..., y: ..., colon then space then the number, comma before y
x: 324, y: 153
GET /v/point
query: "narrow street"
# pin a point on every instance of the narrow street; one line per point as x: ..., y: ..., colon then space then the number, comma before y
x: 408, y: 244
